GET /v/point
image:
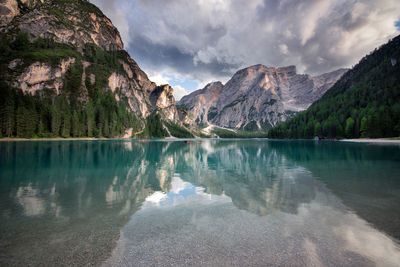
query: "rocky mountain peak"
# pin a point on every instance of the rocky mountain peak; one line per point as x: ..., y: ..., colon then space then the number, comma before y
x: 162, y: 99
x: 213, y: 86
x: 258, y: 97
x: 201, y: 101
x: 162, y: 96
x: 72, y: 22
x: 262, y: 68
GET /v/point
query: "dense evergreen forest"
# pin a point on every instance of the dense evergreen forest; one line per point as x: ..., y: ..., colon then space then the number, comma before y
x: 365, y: 102
x: 47, y: 114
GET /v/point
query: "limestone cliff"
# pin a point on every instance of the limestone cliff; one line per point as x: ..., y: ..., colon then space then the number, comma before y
x: 258, y: 97
x: 69, y: 47
x: 40, y: 75
x: 162, y: 98
x: 71, y: 22
x: 200, y: 101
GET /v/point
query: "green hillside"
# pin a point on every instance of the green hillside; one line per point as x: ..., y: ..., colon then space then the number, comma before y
x: 47, y: 114
x: 365, y: 102
x: 83, y: 106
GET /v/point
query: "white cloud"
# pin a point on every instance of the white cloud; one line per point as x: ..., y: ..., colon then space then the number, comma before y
x: 210, y: 40
x: 178, y: 185
x: 159, y: 78
x: 312, y: 13
x: 284, y: 49
x: 179, y: 92
x: 162, y: 78
x: 156, y: 198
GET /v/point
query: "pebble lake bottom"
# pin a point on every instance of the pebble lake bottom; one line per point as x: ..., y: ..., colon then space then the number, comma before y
x: 204, y: 203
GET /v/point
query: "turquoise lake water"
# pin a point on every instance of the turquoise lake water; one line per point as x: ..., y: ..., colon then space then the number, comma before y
x: 209, y: 203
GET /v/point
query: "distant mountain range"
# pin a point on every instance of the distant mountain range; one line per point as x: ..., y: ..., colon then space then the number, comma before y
x: 257, y: 97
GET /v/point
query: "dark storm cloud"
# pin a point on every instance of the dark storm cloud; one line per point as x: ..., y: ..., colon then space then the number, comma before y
x: 158, y: 57
x: 209, y: 39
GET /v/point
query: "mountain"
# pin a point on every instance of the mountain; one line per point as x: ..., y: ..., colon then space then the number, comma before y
x: 257, y: 97
x: 200, y: 101
x: 64, y: 72
x: 365, y: 102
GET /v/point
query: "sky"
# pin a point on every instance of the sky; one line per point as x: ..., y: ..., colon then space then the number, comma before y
x: 189, y: 43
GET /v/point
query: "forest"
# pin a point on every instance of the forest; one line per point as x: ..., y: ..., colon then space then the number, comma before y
x: 365, y: 102
x: 27, y: 116
x: 47, y: 114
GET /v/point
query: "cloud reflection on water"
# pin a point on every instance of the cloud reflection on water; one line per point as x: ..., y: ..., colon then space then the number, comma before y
x: 285, y: 216
x: 219, y: 202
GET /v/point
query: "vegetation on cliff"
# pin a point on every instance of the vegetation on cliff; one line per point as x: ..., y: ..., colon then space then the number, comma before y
x: 47, y: 114
x: 365, y: 102
x: 67, y: 75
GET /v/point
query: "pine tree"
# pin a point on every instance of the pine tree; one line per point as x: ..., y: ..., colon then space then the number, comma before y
x: 363, y: 127
x: 317, y: 129
x: 66, y: 124
x: 349, y: 129
x: 21, y: 122
x: 7, y: 118
x: 75, y: 124
x: 55, y: 120
x: 90, y: 119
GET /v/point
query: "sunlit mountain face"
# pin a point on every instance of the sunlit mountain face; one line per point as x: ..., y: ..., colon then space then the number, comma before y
x: 211, y: 201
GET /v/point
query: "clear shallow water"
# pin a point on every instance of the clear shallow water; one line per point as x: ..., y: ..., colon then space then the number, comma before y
x: 213, y: 203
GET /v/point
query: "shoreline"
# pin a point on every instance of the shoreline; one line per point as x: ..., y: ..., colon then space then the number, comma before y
x: 374, y: 141
x: 7, y: 139
x: 363, y: 140
x: 58, y: 139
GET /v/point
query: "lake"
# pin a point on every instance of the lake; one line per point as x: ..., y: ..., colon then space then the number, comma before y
x: 210, y: 203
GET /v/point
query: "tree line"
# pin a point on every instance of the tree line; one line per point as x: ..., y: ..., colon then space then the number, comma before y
x: 48, y: 115
x: 365, y: 102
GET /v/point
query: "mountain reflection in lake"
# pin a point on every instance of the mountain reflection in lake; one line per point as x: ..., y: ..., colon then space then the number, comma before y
x: 211, y: 202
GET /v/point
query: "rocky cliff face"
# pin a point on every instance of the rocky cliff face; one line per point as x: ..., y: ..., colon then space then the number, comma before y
x: 71, y: 22
x: 258, y: 97
x: 200, y: 101
x: 75, y: 38
x: 162, y: 98
x: 40, y: 75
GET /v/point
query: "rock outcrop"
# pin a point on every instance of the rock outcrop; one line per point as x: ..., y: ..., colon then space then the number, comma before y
x: 70, y: 22
x: 41, y: 75
x: 162, y: 98
x: 200, y: 101
x: 8, y: 10
x: 78, y: 37
x: 258, y: 97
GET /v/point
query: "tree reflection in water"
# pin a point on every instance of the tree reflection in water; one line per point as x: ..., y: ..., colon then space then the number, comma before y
x: 66, y: 202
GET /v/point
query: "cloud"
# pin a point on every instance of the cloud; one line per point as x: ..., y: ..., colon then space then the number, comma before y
x: 179, y: 92
x: 284, y: 49
x: 210, y: 40
x: 159, y: 79
x: 174, y: 81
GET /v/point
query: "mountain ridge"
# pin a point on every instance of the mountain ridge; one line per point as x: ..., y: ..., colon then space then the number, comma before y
x: 257, y: 97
